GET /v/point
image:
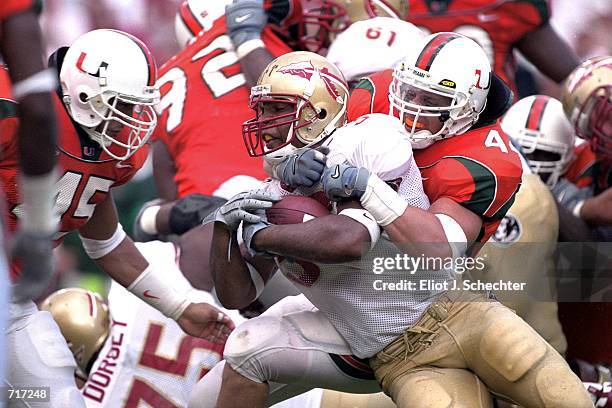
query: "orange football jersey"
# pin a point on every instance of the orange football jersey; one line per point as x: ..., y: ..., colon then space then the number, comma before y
x: 480, y: 169
x: 495, y: 24
x: 204, y: 103
x: 585, y: 169
x: 9, y: 7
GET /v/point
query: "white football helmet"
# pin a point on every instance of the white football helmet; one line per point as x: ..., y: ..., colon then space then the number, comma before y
x: 314, y: 89
x: 443, y: 66
x: 109, y: 76
x: 537, y: 124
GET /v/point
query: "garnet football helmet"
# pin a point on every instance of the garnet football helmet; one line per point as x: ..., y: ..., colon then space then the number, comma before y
x: 108, y: 84
x: 447, y: 68
x: 322, y: 20
x: 83, y: 319
x: 314, y: 89
x: 587, y: 101
x: 537, y: 124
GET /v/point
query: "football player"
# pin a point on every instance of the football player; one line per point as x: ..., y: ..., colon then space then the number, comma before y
x: 135, y: 354
x: 587, y: 100
x: 439, y: 104
x: 21, y: 50
x: 292, y: 362
x: 584, y: 196
x: 539, y: 126
x: 499, y: 26
x: 105, y: 110
x: 528, y: 233
x: 401, y: 333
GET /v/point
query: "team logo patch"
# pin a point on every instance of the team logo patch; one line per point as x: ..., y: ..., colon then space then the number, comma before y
x: 305, y: 69
x: 509, y: 231
x: 448, y: 83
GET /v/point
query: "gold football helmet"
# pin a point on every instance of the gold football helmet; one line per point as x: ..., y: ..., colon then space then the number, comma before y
x: 322, y: 20
x: 587, y: 102
x: 315, y: 95
x: 83, y: 319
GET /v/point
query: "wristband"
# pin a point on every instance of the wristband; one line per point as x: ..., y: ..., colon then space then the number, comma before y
x: 361, y: 216
x: 97, y: 248
x: 382, y: 202
x: 38, y: 201
x: 248, y: 46
x: 148, y: 220
x: 157, y: 293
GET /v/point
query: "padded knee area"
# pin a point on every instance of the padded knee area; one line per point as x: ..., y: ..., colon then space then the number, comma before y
x: 253, y: 337
x: 420, y: 390
x: 559, y: 387
x: 440, y: 388
x: 511, y: 347
x: 252, y: 340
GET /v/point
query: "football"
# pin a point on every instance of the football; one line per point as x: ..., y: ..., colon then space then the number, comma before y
x: 295, y: 209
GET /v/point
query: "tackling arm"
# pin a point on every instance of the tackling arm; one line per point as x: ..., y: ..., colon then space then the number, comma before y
x: 105, y: 242
x: 422, y: 231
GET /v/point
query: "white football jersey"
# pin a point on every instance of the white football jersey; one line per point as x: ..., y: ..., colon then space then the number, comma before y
x: 147, y: 359
x: 372, y: 45
x: 350, y: 294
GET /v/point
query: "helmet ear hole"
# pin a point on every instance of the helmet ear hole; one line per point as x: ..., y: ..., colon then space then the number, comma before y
x: 83, y: 97
x: 322, y: 114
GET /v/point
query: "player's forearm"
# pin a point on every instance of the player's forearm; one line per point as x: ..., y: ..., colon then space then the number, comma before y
x: 124, y: 263
x: 253, y: 64
x: 328, y: 239
x: 572, y: 228
x: 537, y: 47
x: 419, y: 232
x: 233, y: 284
x: 597, y: 211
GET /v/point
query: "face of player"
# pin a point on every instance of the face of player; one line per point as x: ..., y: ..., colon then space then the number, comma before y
x: 422, y: 118
x: 276, y: 112
x: 114, y: 127
x: 543, y: 156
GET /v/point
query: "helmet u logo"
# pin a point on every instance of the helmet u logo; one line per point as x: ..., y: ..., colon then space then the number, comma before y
x: 79, y: 65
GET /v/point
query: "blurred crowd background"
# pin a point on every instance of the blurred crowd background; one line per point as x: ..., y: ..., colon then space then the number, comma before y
x: 586, y: 25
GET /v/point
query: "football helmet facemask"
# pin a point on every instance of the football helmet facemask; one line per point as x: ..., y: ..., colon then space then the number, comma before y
x: 537, y: 124
x: 108, y: 86
x: 84, y: 320
x: 447, y: 76
x: 587, y: 102
x: 315, y: 93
